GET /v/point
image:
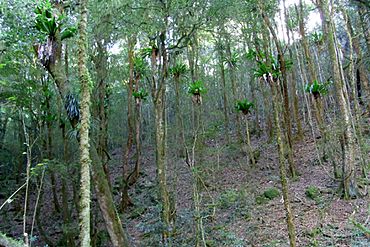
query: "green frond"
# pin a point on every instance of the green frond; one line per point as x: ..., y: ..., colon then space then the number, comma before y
x: 178, y: 70
x: 140, y: 65
x: 317, y: 89
x: 197, y: 88
x: 146, y: 52
x: 244, y: 106
x: 68, y: 32
x: 140, y: 94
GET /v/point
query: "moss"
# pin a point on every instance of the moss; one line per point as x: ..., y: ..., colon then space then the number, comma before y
x: 267, y: 195
x: 261, y: 199
x: 312, y: 192
x: 229, y: 198
x: 7, y: 241
x: 271, y: 193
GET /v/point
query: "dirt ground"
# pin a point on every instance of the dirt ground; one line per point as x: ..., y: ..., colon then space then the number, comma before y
x: 231, y: 210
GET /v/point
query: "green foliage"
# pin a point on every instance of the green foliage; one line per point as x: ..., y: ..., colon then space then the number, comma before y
x: 141, y: 94
x: 140, y: 66
x: 271, y: 193
x: 233, y: 60
x: 263, y: 68
x: 317, y: 89
x: 251, y: 54
x: 261, y: 199
x: 146, y: 52
x: 312, y: 192
x: 267, y: 195
x: 197, y: 88
x: 68, y: 32
x: 7, y: 241
x: 317, y: 38
x: 228, y: 198
x: 137, y: 212
x: 244, y: 106
x: 178, y: 70
x: 49, y: 21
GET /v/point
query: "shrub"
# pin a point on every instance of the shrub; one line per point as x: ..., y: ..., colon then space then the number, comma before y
x: 312, y: 192
x: 271, y: 193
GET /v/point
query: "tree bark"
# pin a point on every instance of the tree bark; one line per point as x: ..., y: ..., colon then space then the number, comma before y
x: 224, y: 90
x: 284, y: 81
x: 85, y: 160
x: 349, y: 185
x: 283, y: 179
x: 104, y: 195
x: 126, y: 201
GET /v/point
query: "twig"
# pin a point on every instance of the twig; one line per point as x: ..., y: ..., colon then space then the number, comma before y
x: 9, y: 200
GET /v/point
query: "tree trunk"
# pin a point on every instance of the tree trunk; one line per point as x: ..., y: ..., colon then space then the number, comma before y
x: 85, y: 161
x: 283, y: 179
x: 248, y: 142
x: 349, y: 185
x: 284, y: 81
x: 3, y: 124
x: 224, y: 90
x: 232, y: 71
x: 126, y: 201
x: 160, y: 138
x: 103, y: 192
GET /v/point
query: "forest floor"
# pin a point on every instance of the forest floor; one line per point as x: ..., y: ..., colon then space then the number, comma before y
x: 239, y: 206
x: 235, y: 210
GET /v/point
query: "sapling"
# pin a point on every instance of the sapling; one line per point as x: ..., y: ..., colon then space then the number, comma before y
x: 245, y: 107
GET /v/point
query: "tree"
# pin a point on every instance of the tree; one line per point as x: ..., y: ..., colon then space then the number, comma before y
x: 50, y: 55
x: 84, y: 130
x: 349, y: 185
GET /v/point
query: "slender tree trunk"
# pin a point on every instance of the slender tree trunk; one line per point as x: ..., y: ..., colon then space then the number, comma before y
x: 284, y: 81
x: 101, y: 113
x: 234, y: 88
x: 126, y: 201
x: 283, y: 179
x: 135, y: 174
x: 357, y: 121
x: 3, y: 124
x: 293, y: 80
x: 361, y: 69
x: 103, y: 191
x: 179, y: 118
x: 224, y: 90
x: 349, y: 184
x: 248, y: 142
x: 365, y: 25
x: 49, y: 144
x: 84, y: 130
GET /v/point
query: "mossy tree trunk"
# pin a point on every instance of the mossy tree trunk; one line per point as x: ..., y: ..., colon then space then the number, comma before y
x: 284, y: 86
x: 283, y: 177
x: 85, y: 160
x: 293, y: 79
x: 356, y: 106
x: 221, y: 59
x: 349, y: 185
x: 248, y: 142
x: 159, y: 74
x: 179, y: 119
x: 103, y: 192
x: 125, y: 200
x: 133, y: 177
x: 232, y: 74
